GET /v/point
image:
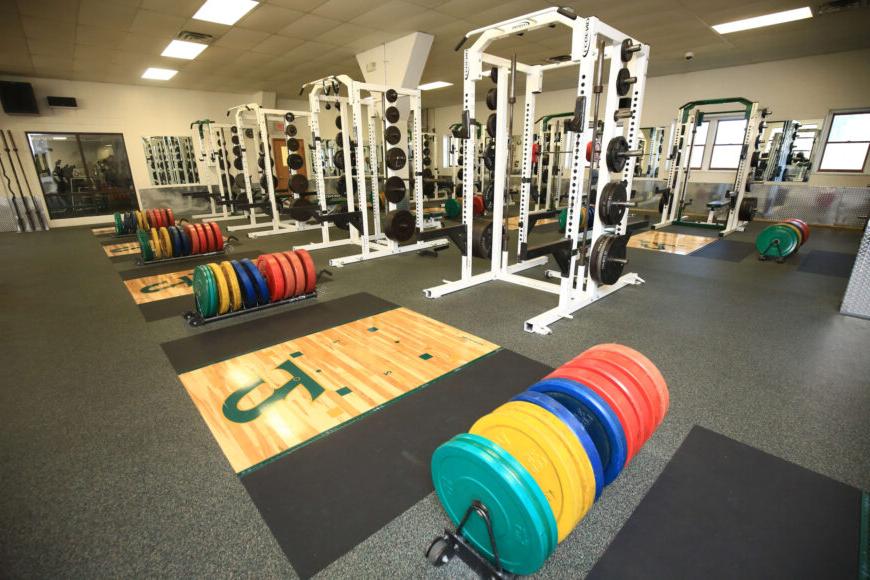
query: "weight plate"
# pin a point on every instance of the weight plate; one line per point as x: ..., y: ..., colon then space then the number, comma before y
x: 119, y: 227
x: 288, y: 273
x: 165, y: 242
x: 261, y: 287
x: 238, y: 163
x: 290, y: 130
x: 469, y: 468
x: 490, y: 125
x: 175, y: 239
x: 206, y: 238
x: 145, y: 246
x: 289, y: 117
x: 481, y: 239
x: 186, y: 246
x: 338, y: 159
x: 477, y: 205
x: 298, y: 183
x: 298, y: 273
x: 452, y: 208
x: 400, y: 225
x: 493, y: 74
x: 624, y: 52
x: 641, y: 401
x: 270, y: 268
x: 302, y: 209
x: 392, y: 114
x: 155, y: 244
x: 641, y: 368
x: 489, y: 197
x: 391, y: 95
x: 601, y: 422
x: 246, y: 285
x: 155, y: 218
x: 394, y: 189
x: 800, y: 226
x: 613, y: 397
x: 239, y: 180
x: 616, y: 149
x: 396, y: 158
x: 232, y: 279
x: 338, y: 122
x: 492, y: 99
x: 140, y: 220
x: 775, y: 236
x: 610, y: 204
x: 427, y: 161
x: 548, y: 450
x: 218, y: 235
x: 170, y: 217
x: 392, y: 134
x: 804, y: 227
x: 223, y: 290
x: 295, y: 161
x: 489, y: 159
x: 797, y: 231
x: 563, y: 220
x: 205, y: 291
x: 194, y: 238
x: 622, y: 84
x: 292, y: 144
x: 310, y: 271
x: 164, y: 217
x: 592, y: 473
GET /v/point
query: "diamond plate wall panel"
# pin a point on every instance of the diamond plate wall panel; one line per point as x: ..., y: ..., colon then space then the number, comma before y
x: 857, y: 299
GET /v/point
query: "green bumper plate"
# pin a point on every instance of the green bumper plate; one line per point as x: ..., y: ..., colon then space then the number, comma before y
x: 118, y: 226
x: 452, y: 208
x: 205, y: 291
x: 145, y: 246
x: 776, y: 241
x: 470, y: 467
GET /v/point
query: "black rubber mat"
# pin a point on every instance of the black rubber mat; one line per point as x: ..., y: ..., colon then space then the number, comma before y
x: 158, y: 269
x: 827, y: 263
x: 722, y: 509
x: 301, y: 319
x: 323, y: 499
x: 729, y: 250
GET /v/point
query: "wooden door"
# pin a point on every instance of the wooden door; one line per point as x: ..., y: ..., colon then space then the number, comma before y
x: 281, y: 169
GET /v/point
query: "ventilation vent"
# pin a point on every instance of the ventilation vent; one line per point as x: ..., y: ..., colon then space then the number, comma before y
x: 839, y: 6
x: 199, y: 37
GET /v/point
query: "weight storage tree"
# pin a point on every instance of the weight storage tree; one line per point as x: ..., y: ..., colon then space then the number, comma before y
x: 384, y: 122
x: 211, y: 139
x: 590, y: 259
x: 739, y: 209
x: 254, y: 120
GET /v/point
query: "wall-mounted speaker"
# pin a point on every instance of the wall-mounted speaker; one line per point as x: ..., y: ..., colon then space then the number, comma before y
x: 67, y: 102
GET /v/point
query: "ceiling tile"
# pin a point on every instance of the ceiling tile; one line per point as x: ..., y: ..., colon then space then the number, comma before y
x: 52, y: 30
x: 300, y: 5
x: 40, y: 61
x: 345, y: 10
x: 422, y: 21
x: 105, y: 14
x: 386, y: 13
x: 84, y: 52
x: 184, y: 8
x: 310, y: 27
x: 241, y: 38
x: 49, y: 9
x: 49, y: 47
x: 94, y: 36
x: 216, y: 53
x: 145, y: 43
x: 278, y: 45
x: 348, y: 31
x: 269, y: 18
x: 149, y: 22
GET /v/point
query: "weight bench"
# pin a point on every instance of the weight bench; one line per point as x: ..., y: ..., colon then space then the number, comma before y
x: 715, y: 205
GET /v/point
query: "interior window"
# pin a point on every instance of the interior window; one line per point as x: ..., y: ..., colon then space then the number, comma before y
x: 847, y: 144
x: 728, y: 144
x: 699, y: 145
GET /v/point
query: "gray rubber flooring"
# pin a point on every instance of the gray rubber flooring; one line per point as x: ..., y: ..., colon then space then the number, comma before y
x: 107, y: 470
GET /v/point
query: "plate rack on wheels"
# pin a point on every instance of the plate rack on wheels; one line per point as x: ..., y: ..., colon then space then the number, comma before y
x: 591, y: 255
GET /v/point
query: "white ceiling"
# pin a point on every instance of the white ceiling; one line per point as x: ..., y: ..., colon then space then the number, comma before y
x: 282, y: 43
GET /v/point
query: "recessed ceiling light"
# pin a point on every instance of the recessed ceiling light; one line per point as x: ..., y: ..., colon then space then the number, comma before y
x: 224, y: 11
x: 159, y: 74
x: 435, y: 85
x: 766, y: 20
x: 184, y: 49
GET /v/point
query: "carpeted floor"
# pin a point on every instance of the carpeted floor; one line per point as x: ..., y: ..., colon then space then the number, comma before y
x: 108, y: 470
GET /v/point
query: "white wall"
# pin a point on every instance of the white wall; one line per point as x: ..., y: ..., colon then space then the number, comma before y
x: 134, y: 111
x: 801, y: 88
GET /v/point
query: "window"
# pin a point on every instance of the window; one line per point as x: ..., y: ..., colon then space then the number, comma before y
x: 698, y: 145
x: 83, y: 174
x: 728, y: 144
x: 847, y: 144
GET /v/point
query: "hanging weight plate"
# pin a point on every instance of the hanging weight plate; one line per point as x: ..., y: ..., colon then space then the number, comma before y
x: 610, y: 208
x: 400, y: 225
x: 391, y: 95
x: 747, y: 209
x: 342, y: 223
x: 394, y: 189
x: 452, y: 208
x: 338, y: 122
x: 237, y: 150
x: 261, y: 162
x: 289, y: 117
x: 234, y: 130
x: 298, y: 183
x: 392, y: 134
x: 429, y: 189
x: 302, y: 210
x: 427, y: 173
x: 624, y: 50
x: 338, y: 159
x: 489, y: 158
x: 292, y: 144
x: 341, y: 186
x: 295, y: 161
x: 493, y: 74
x: 425, y: 150
x: 459, y: 174
x: 606, y: 261
x: 427, y: 161
x: 492, y: 99
x: 339, y: 139
x: 392, y: 114
x: 458, y: 191
x: 622, y: 82
x: 481, y: 239
x: 616, y: 150
x: 290, y: 130
x: 489, y: 197
x: 490, y: 125
x: 239, y: 180
x: 396, y: 158
x: 238, y: 164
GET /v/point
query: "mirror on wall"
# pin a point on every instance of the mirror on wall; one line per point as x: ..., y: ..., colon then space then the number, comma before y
x: 171, y: 160
x: 652, y: 141
x: 787, y: 150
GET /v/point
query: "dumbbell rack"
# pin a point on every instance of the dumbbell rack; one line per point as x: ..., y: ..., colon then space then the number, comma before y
x: 592, y: 44
x: 180, y: 259
x: 196, y: 319
x: 452, y: 543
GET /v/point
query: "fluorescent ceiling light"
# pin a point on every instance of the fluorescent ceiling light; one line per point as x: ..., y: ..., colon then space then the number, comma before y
x: 224, y: 11
x: 766, y: 20
x: 184, y: 49
x: 434, y: 85
x: 159, y: 74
